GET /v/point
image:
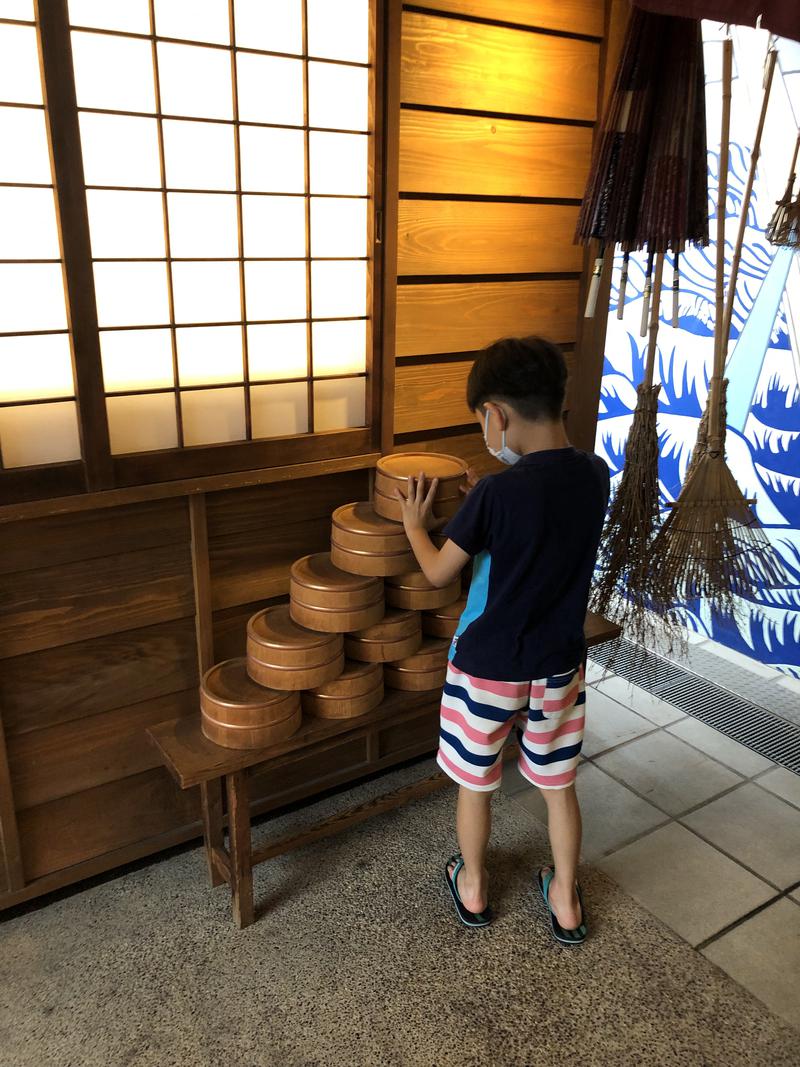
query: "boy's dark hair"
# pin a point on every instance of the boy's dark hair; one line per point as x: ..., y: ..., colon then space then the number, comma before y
x: 529, y: 373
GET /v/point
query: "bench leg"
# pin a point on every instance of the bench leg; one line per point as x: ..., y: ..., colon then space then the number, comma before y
x: 211, y: 809
x: 240, y: 849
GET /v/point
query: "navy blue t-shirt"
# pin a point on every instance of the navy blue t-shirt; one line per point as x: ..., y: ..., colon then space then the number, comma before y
x: 534, y: 531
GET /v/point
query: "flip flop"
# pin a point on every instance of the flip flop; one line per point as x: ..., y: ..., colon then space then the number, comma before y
x: 564, y: 937
x: 473, y: 919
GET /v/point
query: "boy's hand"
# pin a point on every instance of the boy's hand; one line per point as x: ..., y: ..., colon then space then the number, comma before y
x: 472, y: 480
x: 417, y: 507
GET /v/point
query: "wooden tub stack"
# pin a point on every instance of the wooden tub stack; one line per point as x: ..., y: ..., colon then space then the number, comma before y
x: 359, y: 618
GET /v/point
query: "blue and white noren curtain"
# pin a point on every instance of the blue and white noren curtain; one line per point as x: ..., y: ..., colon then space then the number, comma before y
x: 763, y: 439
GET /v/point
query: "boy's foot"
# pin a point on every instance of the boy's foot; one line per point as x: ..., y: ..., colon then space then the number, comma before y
x: 474, y: 894
x: 565, y: 905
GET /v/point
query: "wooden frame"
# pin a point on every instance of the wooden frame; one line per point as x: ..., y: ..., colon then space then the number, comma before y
x: 101, y: 469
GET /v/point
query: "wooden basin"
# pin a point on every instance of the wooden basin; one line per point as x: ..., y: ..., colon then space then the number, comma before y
x: 425, y: 669
x: 413, y: 591
x: 393, y: 472
x: 324, y: 597
x: 363, y: 542
x: 396, y: 636
x: 443, y: 622
x: 282, y: 654
x: 356, y: 691
x: 235, y: 712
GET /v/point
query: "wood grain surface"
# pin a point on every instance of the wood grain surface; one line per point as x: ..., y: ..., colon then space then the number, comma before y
x: 479, y: 156
x: 468, y: 237
x: 449, y: 63
x: 465, y: 316
x: 571, y: 16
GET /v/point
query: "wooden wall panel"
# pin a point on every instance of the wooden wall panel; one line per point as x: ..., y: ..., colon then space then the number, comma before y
x: 75, y: 756
x: 63, y: 684
x: 60, y: 539
x: 468, y: 446
x: 255, y: 566
x: 479, y: 156
x: 436, y: 236
x: 256, y: 534
x: 463, y: 317
x: 449, y: 63
x: 431, y: 396
x: 571, y: 16
x: 264, y: 507
x: 109, y: 817
x: 55, y: 606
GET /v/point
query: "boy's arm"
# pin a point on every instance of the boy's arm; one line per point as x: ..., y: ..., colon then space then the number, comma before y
x: 440, y: 566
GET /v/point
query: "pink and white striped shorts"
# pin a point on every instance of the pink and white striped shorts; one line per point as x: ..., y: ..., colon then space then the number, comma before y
x: 477, y: 715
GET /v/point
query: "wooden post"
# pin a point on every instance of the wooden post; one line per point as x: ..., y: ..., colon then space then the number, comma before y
x: 211, y: 809
x: 9, y: 832
x: 58, y: 87
x: 390, y: 132
x: 201, y: 576
x: 240, y: 848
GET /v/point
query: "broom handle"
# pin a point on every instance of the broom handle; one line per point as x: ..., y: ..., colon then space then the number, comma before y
x: 772, y: 55
x: 794, y: 157
x: 715, y: 395
x: 655, y: 303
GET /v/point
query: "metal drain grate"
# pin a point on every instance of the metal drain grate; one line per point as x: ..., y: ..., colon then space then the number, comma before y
x: 754, y: 727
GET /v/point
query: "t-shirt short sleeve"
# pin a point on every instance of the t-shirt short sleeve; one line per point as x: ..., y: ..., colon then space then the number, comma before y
x: 469, y: 527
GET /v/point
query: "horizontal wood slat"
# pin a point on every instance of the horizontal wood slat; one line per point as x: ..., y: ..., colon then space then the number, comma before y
x: 252, y: 566
x: 478, y: 156
x: 457, y: 237
x: 570, y: 16
x: 56, y: 606
x: 432, y: 395
x: 449, y: 63
x: 262, y: 507
x: 62, y: 684
x: 79, y: 755
x: 90, y: 534
x: 464, y: 316
x: 74, y: 829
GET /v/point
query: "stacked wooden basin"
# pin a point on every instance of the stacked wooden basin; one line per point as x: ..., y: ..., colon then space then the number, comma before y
x: 354, y: 622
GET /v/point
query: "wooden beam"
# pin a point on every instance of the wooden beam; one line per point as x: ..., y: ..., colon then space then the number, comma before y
x: 58, y: 87
x: 583, y: 17
x: 35, y: 509
x: 390, y: 133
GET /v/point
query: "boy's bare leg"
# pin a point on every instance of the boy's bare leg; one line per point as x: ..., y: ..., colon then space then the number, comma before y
x: 564, y: 827
x: 473, y: 825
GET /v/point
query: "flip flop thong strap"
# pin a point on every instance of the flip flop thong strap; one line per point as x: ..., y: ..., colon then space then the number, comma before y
x: 459, y: 861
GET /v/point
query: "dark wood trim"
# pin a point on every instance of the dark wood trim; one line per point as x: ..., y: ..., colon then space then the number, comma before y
x: 392, y: 44
x: 201, y: 577
x: 58, y: 88
x: 21, y: 484
x: 10, y: 851
x: 185, y: 487
x: 238, y: 456
x: 481, y: 20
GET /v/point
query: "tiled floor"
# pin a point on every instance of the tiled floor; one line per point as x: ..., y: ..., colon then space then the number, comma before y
x: 702, y: 831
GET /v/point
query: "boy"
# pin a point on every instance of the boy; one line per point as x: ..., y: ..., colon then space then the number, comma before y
x: 518, y: 653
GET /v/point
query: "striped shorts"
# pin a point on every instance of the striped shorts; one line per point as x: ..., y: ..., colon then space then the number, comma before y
x: 477, y: 715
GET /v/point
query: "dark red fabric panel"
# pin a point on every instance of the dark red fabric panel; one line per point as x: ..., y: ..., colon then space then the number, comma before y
x: 782, y: 17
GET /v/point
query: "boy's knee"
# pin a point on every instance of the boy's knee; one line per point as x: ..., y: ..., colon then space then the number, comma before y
x: 559, y: 795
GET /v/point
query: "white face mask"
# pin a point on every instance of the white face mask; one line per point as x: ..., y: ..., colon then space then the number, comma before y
x: 504, y: 453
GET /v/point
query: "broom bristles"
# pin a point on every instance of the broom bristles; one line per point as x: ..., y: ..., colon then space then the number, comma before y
x: 784, y: 226
x: 627, y: 588
x: 711, y: 544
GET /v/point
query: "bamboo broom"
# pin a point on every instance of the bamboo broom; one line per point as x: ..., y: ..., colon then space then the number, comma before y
x: 711, y: 544
x: 784, y: 226
x: 627, y: 587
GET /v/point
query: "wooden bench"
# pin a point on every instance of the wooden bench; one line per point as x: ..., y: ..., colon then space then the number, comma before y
x: 194, y: 761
